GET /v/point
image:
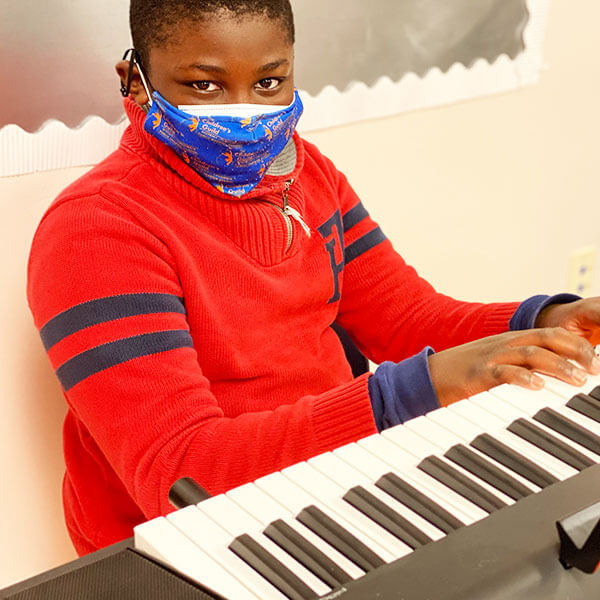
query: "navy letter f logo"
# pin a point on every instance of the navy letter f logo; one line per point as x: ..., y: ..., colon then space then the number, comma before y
x: 337, y: 240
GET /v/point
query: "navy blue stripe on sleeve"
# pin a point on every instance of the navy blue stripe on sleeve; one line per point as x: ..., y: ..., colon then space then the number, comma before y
x: 107, y: 309
x: 108, y: 355
x: 361, y: 245
x: 354, y: 216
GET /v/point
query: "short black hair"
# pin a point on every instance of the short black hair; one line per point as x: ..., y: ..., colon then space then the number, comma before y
x: 150, y: 20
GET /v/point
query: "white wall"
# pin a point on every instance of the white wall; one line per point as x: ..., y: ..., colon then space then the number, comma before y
x: 486, y: 198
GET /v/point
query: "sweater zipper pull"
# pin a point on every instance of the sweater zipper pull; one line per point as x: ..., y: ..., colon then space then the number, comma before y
x: 292, y: 212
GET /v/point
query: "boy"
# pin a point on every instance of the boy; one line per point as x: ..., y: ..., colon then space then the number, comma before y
x: 185, y: 288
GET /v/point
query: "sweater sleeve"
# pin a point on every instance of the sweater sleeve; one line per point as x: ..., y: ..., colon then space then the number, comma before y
x: 105, y: 294
x: 389, y: 310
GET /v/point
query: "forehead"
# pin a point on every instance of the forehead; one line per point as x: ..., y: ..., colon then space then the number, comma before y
x: 221, y: 38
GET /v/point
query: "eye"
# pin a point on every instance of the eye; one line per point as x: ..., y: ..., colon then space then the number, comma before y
x: 205, y: 86
x: 270, y: 83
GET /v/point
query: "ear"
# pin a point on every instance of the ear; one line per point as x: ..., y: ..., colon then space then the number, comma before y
x: 136, y: 89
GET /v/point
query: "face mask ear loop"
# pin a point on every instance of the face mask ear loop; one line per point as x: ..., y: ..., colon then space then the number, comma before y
x: 126, y: 87
x: 134, y: 60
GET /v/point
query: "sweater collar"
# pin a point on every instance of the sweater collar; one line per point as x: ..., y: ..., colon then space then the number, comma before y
x: 138, y: 140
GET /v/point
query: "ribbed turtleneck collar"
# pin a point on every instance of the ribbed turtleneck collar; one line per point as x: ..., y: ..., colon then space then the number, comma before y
x: 138, y: 140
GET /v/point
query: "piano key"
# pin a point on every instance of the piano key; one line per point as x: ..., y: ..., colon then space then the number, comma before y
x: 550, y: 443
x: 287, y: 492
x: 330, y: 493
x: 347, y: 476
x: 510, y: 412
x: 419, y: 502
x: 463, y: 429
x: 586, y: 406
x: 383, y: 515
x: 595, y: 393
x: 546, y: 460
x: 271, y: 569
x: 569, y: 428
x: 375, y: 467
x: 401, y: 461
x: 488, y: 471
x: 513, y: 460
x: 566, y: 390
x: 164, y: 542
x: 307, y: 554
x: 214, y: 540
x: 546, y: 398
x: 340, y: 538
x: 266, y: 509
x: 479, y: 407
x: 237, y: 521
x: 463, y: 485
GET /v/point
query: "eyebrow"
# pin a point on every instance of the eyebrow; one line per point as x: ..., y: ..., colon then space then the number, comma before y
x: 273, y: 65
x: 215, y: 69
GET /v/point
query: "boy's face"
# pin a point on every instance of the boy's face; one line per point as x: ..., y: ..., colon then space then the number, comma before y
x: 223, y: 61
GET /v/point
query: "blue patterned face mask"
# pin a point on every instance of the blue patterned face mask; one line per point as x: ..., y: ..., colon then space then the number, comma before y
x: 231, y: 151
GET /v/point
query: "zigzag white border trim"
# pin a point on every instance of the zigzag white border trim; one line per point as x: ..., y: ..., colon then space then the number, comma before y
x: 56, y: 146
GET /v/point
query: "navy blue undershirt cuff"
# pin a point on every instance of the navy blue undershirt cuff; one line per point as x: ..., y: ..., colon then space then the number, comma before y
x: 402, y: 391
x: 525, y: 316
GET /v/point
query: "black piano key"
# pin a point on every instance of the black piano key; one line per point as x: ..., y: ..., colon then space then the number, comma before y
x: 595, y: 393
x: 341, y: 539
x: 385, y: 516
x: 461, y: 484
x: 489, y: 472
x: 290, y: 540
x: 551, y: 444
x: 513, y: 460
x: 277, y: 574
x: 561, y: 424
x: 419, y: 503
x: 585, y: 405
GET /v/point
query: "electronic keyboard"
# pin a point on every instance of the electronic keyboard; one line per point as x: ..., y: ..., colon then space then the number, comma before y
x: 459, y: 504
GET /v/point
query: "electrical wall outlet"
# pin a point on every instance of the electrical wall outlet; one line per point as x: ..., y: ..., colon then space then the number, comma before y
x: 582, y: 263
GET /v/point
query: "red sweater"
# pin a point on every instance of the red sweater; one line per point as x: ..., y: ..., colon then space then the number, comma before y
x: 192, y: 335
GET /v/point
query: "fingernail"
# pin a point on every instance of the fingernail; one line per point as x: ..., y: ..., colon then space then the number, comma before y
x: 579, y: 376
x: 537, y: 382
x: 596, y: 365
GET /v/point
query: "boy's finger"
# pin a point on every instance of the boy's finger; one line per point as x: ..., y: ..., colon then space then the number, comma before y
x: 565, y: 344
x: 516, y: 375
x: 534, y: 358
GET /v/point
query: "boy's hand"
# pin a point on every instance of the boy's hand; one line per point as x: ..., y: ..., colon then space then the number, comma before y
x: 512, y: 357
x: 581, y: 317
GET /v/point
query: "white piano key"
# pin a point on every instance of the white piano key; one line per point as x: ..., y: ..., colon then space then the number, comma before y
x: 287, y: 492
x: 475, y: 414
x: 266, y: 509
x: 237, y: 521
x: 409, y: 440
x: 545, y: 399
x: 330, y: 493
x: 163, y: 541
x: 404, y: 465
x: 496, y: 428
x: 528, y: 450
x: 452, y: 421
x: 430, y: 430
x: 482, y: 409
x: 509, y: 412
x: 348, y: 477
x: 567, y: 391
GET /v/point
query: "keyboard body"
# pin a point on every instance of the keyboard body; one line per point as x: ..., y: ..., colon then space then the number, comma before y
x: 512, y: 553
